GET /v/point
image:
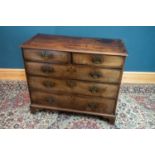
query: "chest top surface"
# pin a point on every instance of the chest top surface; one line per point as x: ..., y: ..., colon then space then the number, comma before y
x: 76, y: 44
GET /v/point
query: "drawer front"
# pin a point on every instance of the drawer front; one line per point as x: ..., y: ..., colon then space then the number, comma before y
x: 93, y: 104
x: 46, y: 56
x: 98, y: 60
x: 74, y: 72
x: 73, y: 87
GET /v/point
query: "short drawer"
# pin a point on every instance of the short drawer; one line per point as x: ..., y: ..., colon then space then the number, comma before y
x: 93, y: 104
x: 73, y: 87
x: 95, y: 74
x: 46, y: 56
x: 98, y: 60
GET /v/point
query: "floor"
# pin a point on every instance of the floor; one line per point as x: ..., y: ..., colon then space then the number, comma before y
x: 136, y: 109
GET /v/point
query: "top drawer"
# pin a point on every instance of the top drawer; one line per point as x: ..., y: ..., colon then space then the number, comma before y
x: 46, y: 56
x: 98, y: 60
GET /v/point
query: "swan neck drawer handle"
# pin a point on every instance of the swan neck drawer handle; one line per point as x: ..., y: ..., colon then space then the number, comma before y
x: 50, y: 100
x: 97, y: 59
x: 71, y: 83
x: 94, y: 89
x: 95, y: 74
x: 92, y: 106
x: 45, y: 54
x: 47, y: 69
x: 48, y: 84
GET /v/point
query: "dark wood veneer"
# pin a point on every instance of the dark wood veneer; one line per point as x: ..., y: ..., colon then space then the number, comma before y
x: 72, y: 71
x: 74, y: 74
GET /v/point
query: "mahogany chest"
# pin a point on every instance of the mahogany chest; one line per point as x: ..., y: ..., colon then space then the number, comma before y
x: 73, y: 74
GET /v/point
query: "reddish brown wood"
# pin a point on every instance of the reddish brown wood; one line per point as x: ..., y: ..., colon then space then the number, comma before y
x: 76, y: 44
x: 73, y: 74
x: 82, y: 103
x: 73, y: 87
x: 48, y: 107
x: 79, y: 72
x: 33, y: 109
x: 111, y: 120
x: 46, y: 56
x: 98, y: 60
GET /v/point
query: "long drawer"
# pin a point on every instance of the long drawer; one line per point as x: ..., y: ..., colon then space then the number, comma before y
x: 46, y: 56
x: 92, y: 104
x: 73, y: 87
x: 95, y: 74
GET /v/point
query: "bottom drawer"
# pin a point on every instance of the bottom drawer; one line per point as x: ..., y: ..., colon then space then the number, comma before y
x: 91, y: 104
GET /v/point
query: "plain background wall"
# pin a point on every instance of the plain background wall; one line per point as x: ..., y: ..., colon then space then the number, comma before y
x: 139, y: 41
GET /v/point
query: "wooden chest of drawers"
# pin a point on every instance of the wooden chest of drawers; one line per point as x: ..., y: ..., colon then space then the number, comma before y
x: 73, y: 74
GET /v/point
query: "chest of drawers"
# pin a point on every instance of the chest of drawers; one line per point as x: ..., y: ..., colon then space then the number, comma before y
x: 73, y: 74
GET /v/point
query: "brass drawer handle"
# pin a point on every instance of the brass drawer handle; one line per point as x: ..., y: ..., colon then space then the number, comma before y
x: 45, y: 54
x: 48, y: 84
x: 71, y: 83
x: 97, y: 59
x: 95, y: 74
x: 50, y: 100
x: 47, y: 69
x: 94, y: 89
x: 92, y: 106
